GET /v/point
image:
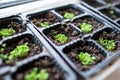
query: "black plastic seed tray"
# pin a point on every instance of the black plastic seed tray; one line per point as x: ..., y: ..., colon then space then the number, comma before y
x: 109, y: 9
x: 99, y: 3
x: 77, y: 40
x: 10, y: 66
x: 20, y: 36
x: 14, y: 23
x: 43, y: 62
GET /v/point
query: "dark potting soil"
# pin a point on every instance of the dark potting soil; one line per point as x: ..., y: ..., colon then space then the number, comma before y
x: 93, y: 3
x: 44, y: 17
x: 110, y: 1
x: 33, y: 47
x: 83, y: 46
x: 70, y: 32
x: 111, y: 13
x: 110, y: 36
x: 87, y: 19
x: 43, y: 63
x: 73, y: 10
x: 16, y: 26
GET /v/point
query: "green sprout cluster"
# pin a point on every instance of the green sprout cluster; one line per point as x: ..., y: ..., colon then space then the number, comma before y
x: 3, y: 56
x: 35, y: 75
x: 61, y: 38
x: 44, y: 24
x: 68, y: 15
x: 86, y: 58
x: 86, y: 28
x: 108, y: 4
x: 19, y: 52
x: 6, y: 32
x: 108, y: 44
x: 112, y: 12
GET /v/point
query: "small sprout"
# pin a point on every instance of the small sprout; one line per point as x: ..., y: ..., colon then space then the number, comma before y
x: 31, y: 75
x: 19, y: 52
x: 4, y: 45
x: 44, y: 24
x: 6, y: 32
x: 61, y: 38
x: 86, y: 28
x: 3, y: 56
x: 2, y: 48
x: 68, y: 15
x: 108, y: 44
x: 108, y: 4
x: 86, y: 58
x: 43, y: 75
x: 35, y: 75
x: 112, y: 12
x: 54, y: 33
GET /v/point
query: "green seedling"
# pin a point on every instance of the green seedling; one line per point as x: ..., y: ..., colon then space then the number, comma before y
x: 112, y: 12
x: 44, y: 24
x: 108, y: 44
x: 108, y: 4
x: 35, y: 75
x: 85, y: 58
x: 86, y: 28
x: 61, y: 38
x: 6, y: 32
x: 2, y: 55
x: 68, y: 15
x: 19, y: 52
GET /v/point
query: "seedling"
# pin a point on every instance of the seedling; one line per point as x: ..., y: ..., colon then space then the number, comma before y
x: 19, y: 52
x: 86, y: 28
x: 108, y: 44
x: 112, y: 12
x: 68, y: 15
x: 35, y: 75
x: 61, y: 38
x: 3, y: 56
x: 2, y: 48
x: 108, y: 4
x: 86, y: 58
x: 44, y: 24
x: 6, y: 32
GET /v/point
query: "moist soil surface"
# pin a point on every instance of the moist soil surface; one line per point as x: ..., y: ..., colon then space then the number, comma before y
x: 71, y: 33
x: 16, y: 26
x: 43, y: 63
x: 93, y: 3
x: 45, y: 17
x: 33, y: 47
x: 111, y: 13
x: 70, y: 10
x: 74, y: 51
x: 87, y: 19
x: 110, y: 36
x: 111, y: 1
